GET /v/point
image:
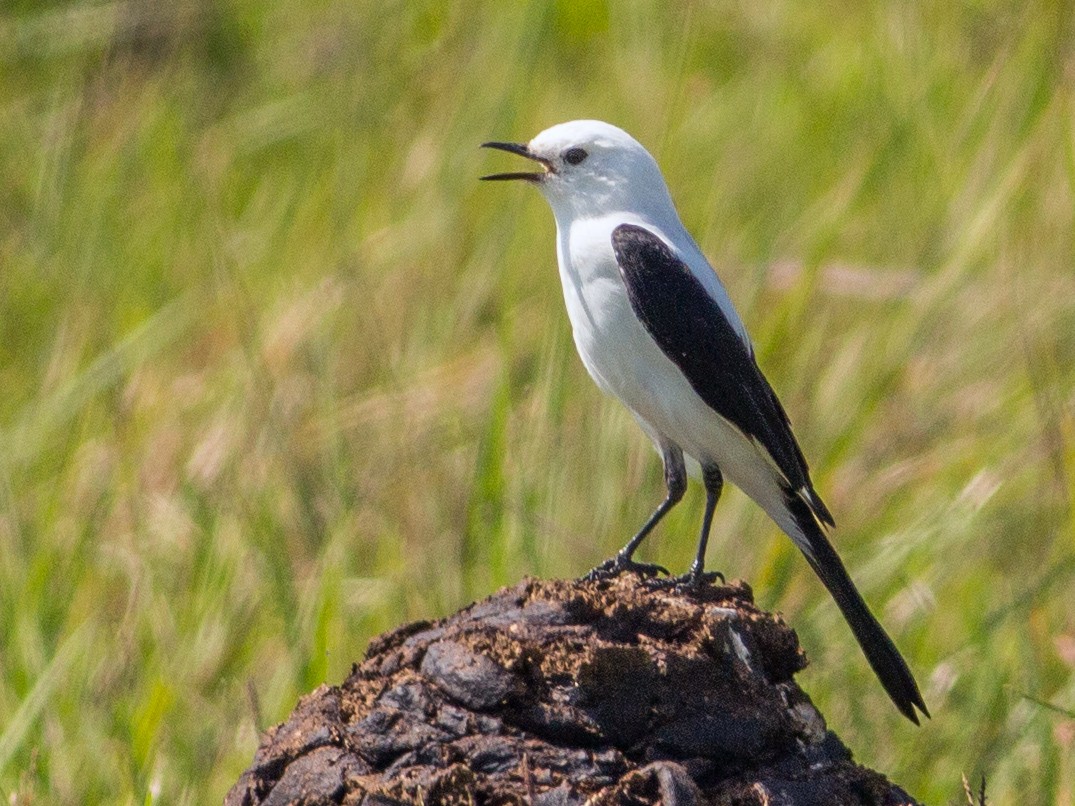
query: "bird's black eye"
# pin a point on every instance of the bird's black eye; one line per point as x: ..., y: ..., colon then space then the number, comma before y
x: 573, y: 156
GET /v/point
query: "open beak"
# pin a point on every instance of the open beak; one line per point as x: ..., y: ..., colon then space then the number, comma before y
x: 522, y: 151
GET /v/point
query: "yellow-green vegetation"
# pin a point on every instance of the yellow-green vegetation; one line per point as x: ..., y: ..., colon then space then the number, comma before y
x: 278, y: 373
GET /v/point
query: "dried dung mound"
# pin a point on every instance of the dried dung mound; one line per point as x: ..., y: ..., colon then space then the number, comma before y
x: 570, y: 692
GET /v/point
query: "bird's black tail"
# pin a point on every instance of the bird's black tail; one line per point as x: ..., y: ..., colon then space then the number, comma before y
x: 887, y: 662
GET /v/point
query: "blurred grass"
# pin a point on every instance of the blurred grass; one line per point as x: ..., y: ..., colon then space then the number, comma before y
x: 279, y: 374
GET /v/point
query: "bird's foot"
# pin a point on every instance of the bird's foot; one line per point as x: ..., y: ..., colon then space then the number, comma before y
x: 622, y: 563
x: 692, y: 580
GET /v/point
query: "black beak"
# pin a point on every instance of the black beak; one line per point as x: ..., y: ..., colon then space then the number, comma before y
x: 522, y: 151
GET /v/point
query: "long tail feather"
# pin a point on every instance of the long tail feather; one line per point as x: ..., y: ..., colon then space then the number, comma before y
x: 887, y: 662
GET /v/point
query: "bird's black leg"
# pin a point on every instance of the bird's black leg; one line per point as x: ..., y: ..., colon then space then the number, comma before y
x: 714, y: 484
x: 675, y: 480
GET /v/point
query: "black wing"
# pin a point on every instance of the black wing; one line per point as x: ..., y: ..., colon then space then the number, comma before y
x: 691, y: 330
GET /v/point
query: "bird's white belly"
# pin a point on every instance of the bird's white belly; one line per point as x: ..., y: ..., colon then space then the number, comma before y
x: 625, y: 362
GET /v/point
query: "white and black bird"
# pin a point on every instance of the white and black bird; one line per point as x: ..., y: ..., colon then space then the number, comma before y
x: 656, y: 329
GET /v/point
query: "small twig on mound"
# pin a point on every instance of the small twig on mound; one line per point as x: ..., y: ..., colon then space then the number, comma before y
x: 570, y: 692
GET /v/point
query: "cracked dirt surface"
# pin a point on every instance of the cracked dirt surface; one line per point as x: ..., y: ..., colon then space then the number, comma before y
x: 569, y: 692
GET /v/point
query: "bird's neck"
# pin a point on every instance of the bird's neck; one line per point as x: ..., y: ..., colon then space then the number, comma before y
x: 597, y: 225
x: 650, y: 201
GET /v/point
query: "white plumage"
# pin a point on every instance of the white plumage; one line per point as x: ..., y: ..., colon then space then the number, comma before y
x: 656, y: 329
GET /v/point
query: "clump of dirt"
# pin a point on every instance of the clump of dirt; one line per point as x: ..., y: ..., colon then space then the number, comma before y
x: 559, y: 692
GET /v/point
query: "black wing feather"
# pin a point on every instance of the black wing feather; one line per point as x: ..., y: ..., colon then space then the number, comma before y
x: 691, y: 330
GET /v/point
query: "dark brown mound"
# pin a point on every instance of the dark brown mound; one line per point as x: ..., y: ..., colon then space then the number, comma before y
x: 569, y: 692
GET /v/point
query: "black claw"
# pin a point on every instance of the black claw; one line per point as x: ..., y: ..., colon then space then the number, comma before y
x: 707, y: 578
x: 619, y: 564
x: 692, y: 580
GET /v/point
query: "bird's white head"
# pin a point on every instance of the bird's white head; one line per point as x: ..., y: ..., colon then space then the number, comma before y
x: 592, y: 168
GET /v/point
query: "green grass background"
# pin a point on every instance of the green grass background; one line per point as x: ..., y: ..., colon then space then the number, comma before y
x: 278, y: 373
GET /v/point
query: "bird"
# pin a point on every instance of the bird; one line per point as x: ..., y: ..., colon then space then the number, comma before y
x: 656, y: 329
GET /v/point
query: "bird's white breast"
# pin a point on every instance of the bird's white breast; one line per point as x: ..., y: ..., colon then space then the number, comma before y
x: 617, y: 351
x: 619, y: 354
